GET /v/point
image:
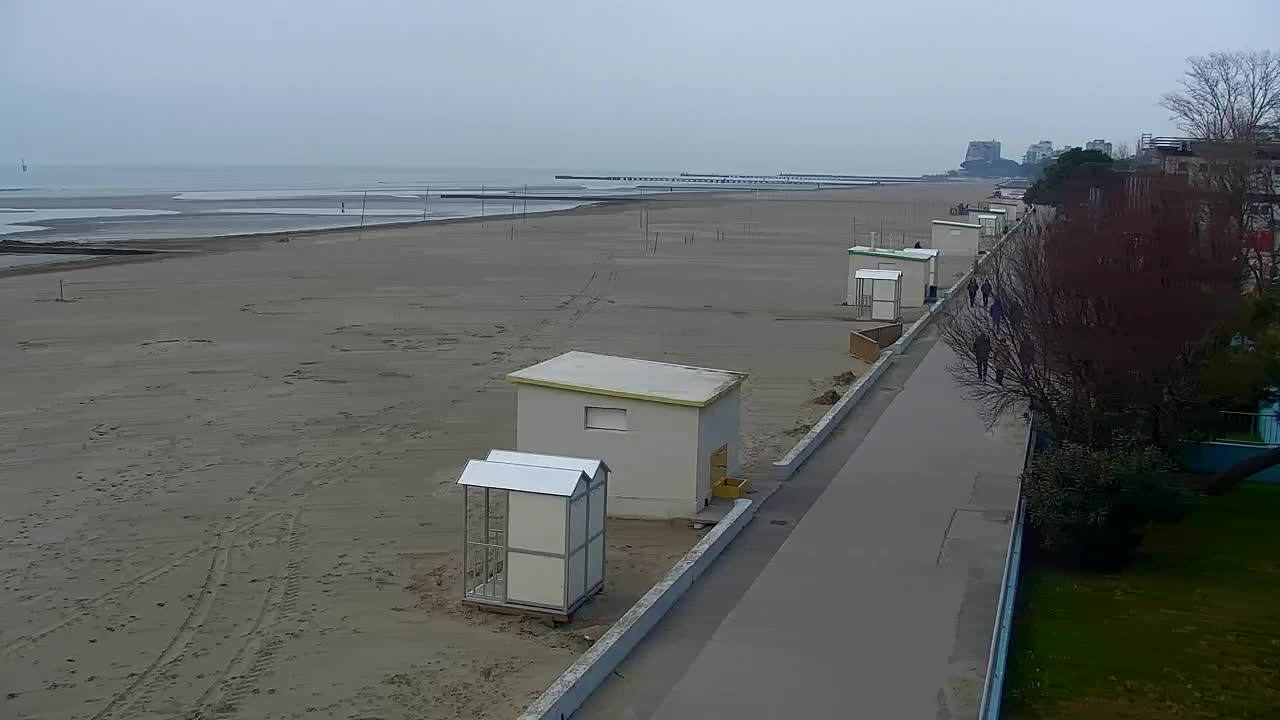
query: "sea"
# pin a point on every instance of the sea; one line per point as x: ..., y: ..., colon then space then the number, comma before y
x: 111, y: 203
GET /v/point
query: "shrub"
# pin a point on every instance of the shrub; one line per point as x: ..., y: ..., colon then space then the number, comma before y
x: 1087, y: 505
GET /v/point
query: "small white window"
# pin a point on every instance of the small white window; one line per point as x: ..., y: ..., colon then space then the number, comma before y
x: 603, y: 418
x: 955, y: 233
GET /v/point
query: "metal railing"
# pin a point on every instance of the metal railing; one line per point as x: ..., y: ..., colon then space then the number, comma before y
x: 1001, y: 634
x: 1245, y: 427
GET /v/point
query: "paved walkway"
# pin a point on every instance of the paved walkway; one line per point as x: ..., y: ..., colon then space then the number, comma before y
x: 880, y: 602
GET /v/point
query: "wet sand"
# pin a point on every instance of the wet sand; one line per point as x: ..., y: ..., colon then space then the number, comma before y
x: 227, y: 478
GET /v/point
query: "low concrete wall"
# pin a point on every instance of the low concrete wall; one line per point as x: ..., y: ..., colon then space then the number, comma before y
x: 1212, y: 457
x: 786, y: 467
x: 576, y: 684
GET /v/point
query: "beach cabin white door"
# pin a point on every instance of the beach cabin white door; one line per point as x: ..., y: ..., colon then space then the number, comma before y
x: 884, y: 300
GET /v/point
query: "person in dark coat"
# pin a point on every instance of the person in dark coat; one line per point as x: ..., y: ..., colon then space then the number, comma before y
x: 982, y: 354
x: 997, y: 314
x: 973, y: 291
x: 986, y: 292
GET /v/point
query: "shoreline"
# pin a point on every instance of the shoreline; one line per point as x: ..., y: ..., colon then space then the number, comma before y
x: 158, y: 249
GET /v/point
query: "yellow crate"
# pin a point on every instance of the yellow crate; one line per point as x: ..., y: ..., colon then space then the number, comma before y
x: 730, y: 488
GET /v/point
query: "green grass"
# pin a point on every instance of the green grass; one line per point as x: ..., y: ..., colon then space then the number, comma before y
x: 1190, y: 630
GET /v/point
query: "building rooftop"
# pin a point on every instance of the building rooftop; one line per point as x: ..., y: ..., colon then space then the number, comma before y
x: 927, y: 253
x: 630, y: 378
x: 521, y: 478
x: 512, y: 457
x: 884, y: 252
x: 975, y: 226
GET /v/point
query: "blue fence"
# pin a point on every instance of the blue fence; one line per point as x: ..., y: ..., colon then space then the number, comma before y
x: 1251, y: 428
x: 998, y: 655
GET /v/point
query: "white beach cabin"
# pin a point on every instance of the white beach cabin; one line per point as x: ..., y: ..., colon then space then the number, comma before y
x: 534, y: 532
x: 956, y: 239
x: 988, y: 222
x: 1014, y: 209
x: 1002, y: 217
x: 931, y: 282
x: 878, y: 295
x: 668, y: 432
x: 914, y: 268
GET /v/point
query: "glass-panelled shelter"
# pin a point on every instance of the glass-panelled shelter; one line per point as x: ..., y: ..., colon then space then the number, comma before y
x: 534, y: 528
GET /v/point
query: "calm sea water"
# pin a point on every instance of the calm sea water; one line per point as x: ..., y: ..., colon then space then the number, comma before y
x: 118, y: 202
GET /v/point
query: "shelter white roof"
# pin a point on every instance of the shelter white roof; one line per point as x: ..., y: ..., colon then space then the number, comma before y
x: 587, y: 466
x: 922, y: 252
x: 885, y: 252
x: 986, y: 215
x: 996, y: 210
x: 975, y: 226
x: 878, y: 274
x: 630, y: 378
x: 521, y: 478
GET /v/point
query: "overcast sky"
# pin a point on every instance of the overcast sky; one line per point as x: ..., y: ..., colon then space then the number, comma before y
x: 837, y: 85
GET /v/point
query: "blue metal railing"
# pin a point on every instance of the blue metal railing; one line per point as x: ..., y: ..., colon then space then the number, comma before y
x: 1259, y: 428
x: 998, y: 655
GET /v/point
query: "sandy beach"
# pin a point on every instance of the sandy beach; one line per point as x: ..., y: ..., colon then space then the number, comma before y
x: 227, y: 478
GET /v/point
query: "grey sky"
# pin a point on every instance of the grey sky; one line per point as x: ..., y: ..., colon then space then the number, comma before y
x: 839, y: 85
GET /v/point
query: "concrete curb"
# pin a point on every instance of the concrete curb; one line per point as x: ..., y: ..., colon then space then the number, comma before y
x: 576, y: 684
x: 786, y: 467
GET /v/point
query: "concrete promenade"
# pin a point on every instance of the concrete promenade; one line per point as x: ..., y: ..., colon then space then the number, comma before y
x: 881, y: 601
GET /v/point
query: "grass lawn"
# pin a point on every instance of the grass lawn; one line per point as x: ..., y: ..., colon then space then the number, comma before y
x: 1191, y: 630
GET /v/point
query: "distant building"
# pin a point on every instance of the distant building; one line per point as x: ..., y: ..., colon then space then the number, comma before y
x: 1038, y: 152
x: 1100, y: 145
x: 1012, y: 189
x: 1202, y: 160
x: 983, y: 150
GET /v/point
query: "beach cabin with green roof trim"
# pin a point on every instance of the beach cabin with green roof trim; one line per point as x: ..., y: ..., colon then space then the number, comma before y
x: 914, y: 268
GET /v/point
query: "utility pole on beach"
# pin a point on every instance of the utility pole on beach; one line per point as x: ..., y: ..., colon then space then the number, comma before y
x: 426, y: 199
x: 364, y: 200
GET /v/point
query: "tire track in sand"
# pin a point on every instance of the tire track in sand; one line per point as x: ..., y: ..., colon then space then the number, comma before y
x: 142, y: 685
x: 85, y: 608
x: 262, y: 641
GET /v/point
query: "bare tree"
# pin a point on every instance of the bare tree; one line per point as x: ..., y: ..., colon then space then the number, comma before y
x: 1228, y: 95
x: 1230, y: 102
x: 1122, y: 151
x: 1107, y: 312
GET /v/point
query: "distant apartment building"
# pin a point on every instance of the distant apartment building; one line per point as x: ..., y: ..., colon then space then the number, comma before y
x: 1203, y: 160
x: 983, y: 150
x: 1038, y: 152
x: 1100, y: 145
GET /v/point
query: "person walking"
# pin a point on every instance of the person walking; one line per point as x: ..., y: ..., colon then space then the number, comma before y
x: 997, y: 314
x: 982, y: 354
x: 973, y: 291
x: 986, y: 292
